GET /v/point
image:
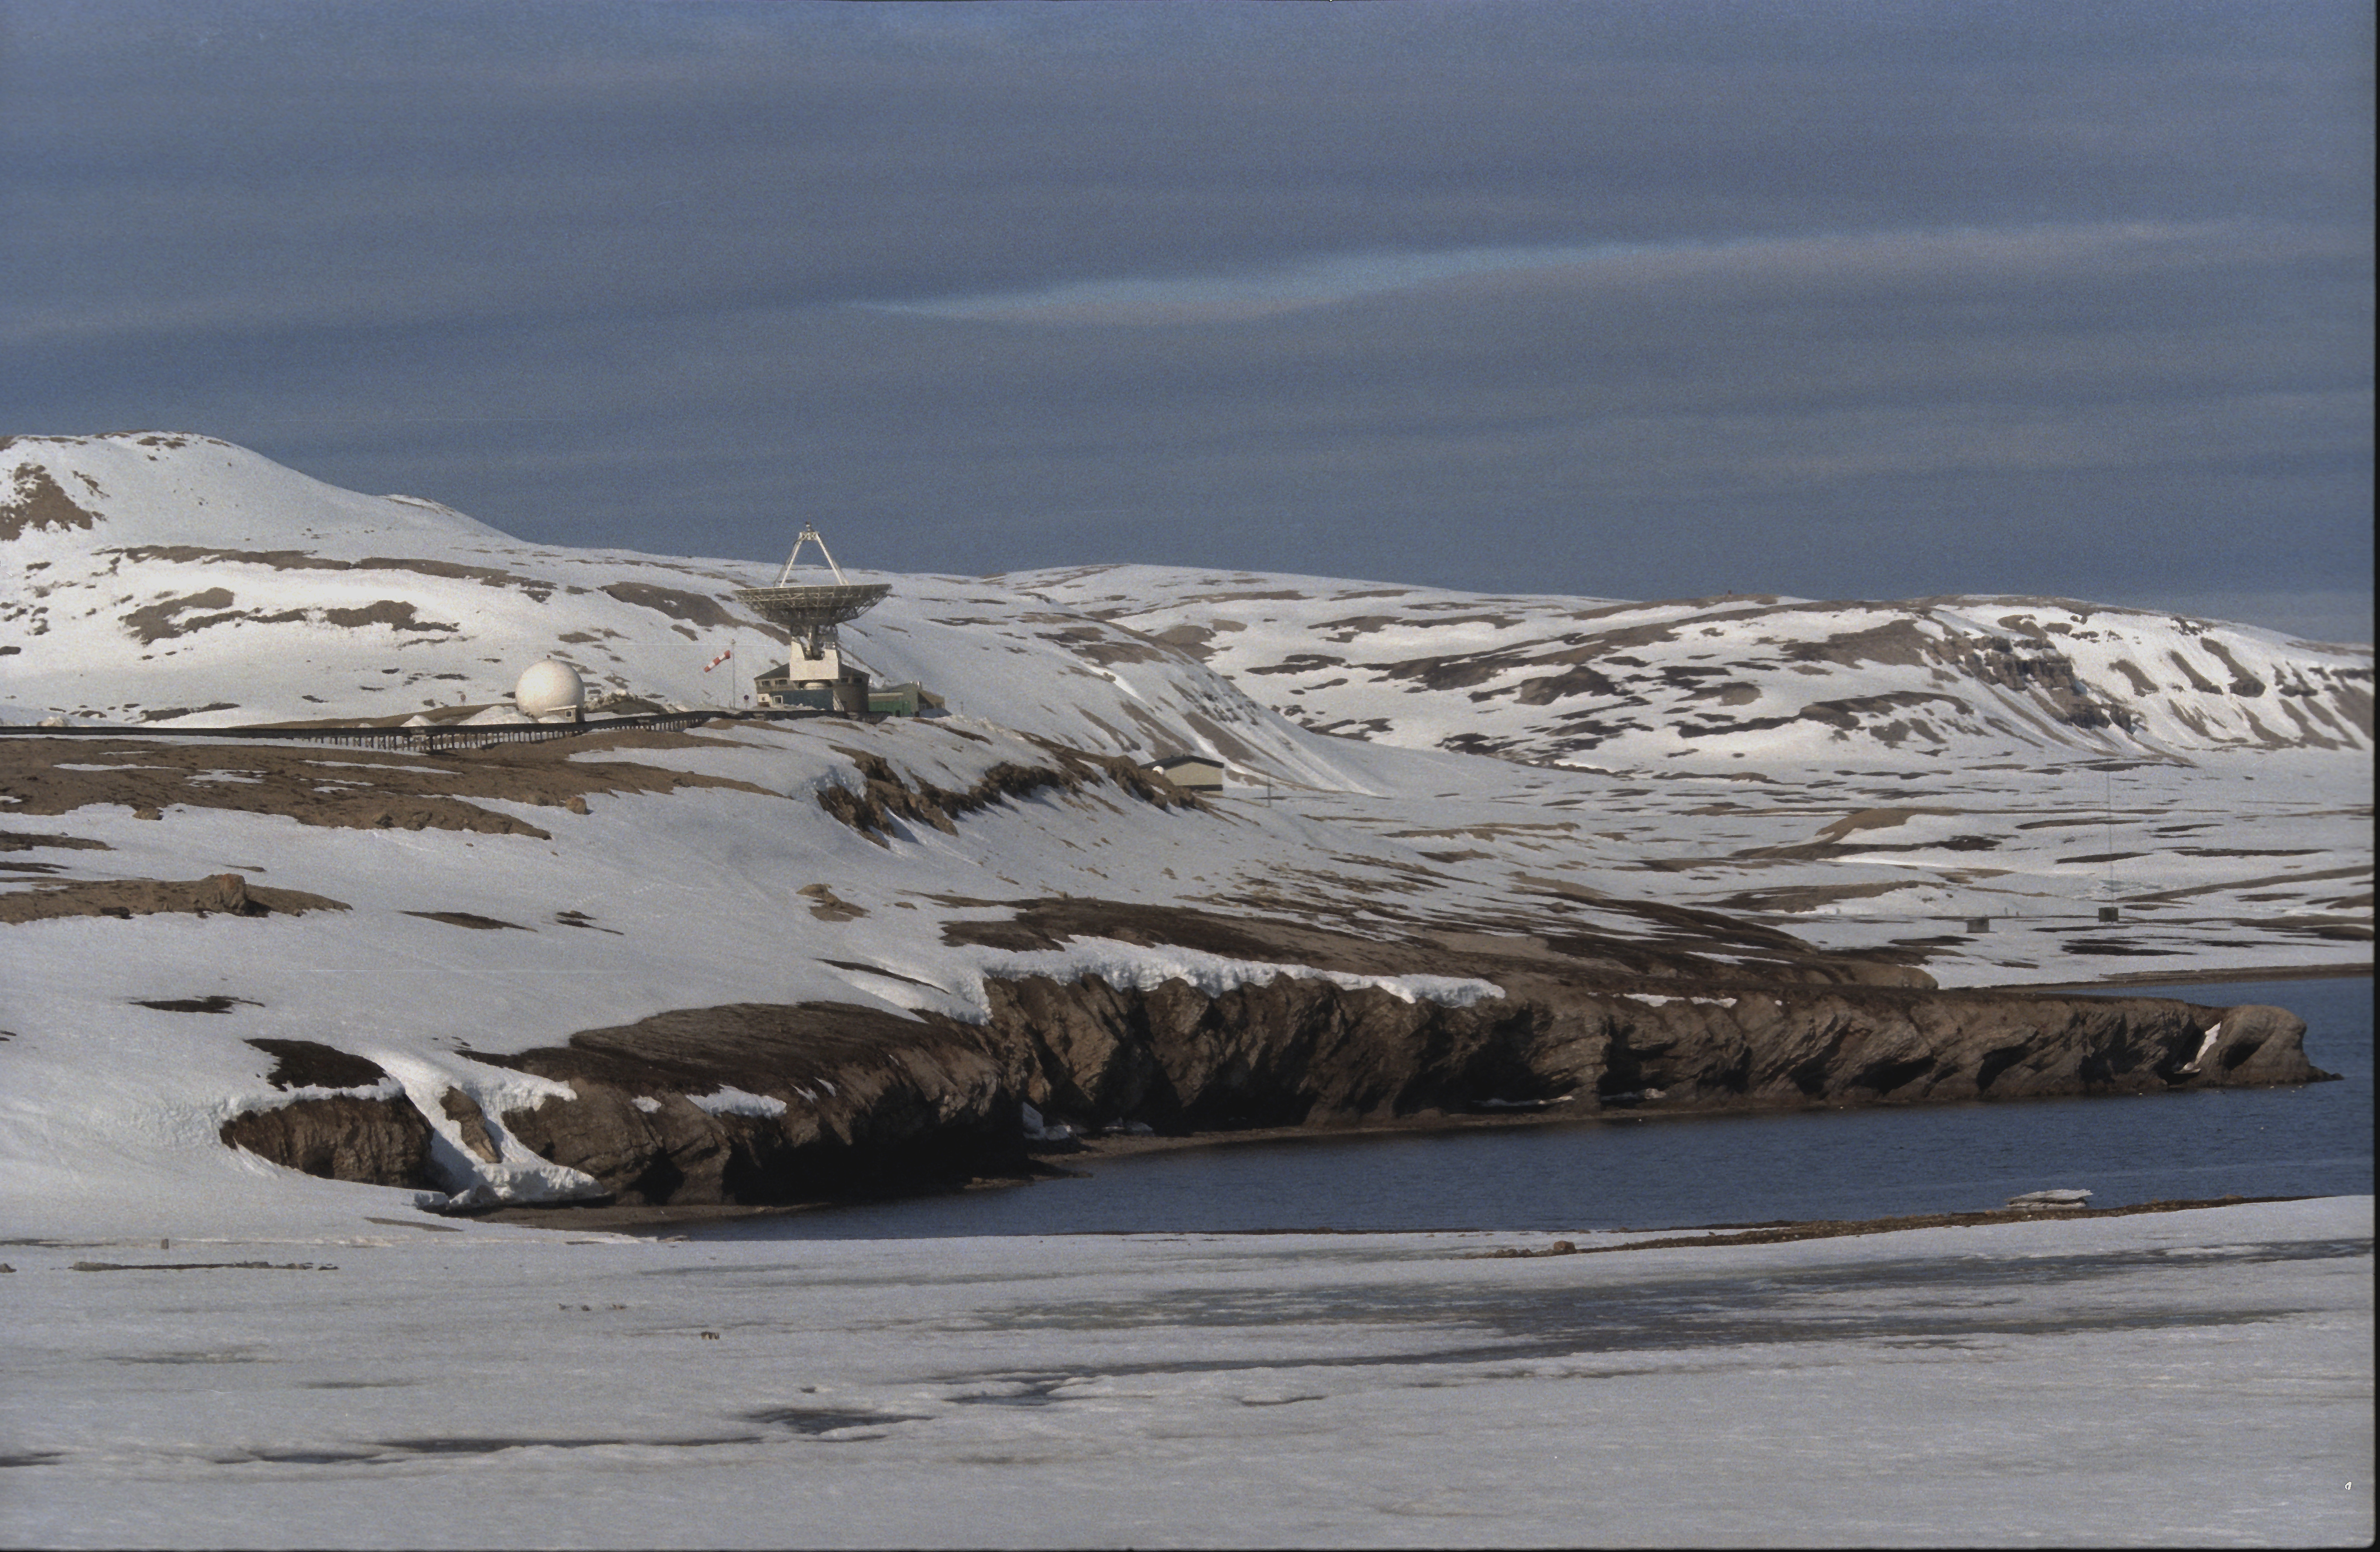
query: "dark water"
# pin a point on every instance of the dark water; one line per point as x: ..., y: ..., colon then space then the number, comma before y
x: 1660, y: 1171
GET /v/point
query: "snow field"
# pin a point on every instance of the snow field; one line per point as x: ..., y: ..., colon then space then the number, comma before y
x: 2201, y: 1377
x: 692, y: 899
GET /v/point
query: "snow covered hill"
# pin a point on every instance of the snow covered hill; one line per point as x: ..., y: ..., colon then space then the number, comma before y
x: 1735, y: 788
x: 1613, y: 685
x: 176, y: 579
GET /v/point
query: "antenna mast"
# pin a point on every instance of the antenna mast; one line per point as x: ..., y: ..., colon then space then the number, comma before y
x: 810, y: 612
x: 809, y: 535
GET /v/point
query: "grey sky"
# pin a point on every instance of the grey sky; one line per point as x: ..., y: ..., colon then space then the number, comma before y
x: 1632, y: 299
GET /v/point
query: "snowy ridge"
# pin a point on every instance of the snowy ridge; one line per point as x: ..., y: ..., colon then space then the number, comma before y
x: 1615, y: 686
x: 180, y: 580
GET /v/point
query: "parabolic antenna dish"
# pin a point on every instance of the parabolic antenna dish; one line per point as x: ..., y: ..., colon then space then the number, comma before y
x: 811, y: 610
x: 805, y: 608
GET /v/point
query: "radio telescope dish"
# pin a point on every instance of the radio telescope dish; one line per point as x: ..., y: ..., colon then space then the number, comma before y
x: 812, y: 611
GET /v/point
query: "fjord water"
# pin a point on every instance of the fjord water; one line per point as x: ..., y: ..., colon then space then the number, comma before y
x: 1660, y: 1171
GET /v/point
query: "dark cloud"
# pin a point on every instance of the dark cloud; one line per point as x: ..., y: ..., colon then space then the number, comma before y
x: 1868, y: 299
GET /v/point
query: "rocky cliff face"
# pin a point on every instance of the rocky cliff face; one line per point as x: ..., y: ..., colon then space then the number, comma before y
x: 767, y: 1104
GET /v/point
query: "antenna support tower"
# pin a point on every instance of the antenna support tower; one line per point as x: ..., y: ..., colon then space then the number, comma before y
x: 811, y: 611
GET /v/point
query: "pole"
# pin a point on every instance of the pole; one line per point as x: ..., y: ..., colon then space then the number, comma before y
x: 2108, y: 806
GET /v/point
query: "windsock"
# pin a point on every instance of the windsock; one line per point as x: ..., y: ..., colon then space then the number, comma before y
x: 717, y: 661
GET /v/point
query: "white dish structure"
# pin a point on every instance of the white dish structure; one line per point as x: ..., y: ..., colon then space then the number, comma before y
x: 810, y: 613
x: 550, y: 689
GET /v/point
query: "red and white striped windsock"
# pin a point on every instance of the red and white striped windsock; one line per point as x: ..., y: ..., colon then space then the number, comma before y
x: 717, y: 661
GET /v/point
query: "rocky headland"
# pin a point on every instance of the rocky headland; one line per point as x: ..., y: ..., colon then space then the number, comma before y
x: 838, y: 1101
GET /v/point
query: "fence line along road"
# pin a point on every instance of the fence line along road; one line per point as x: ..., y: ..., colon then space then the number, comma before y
x: 426, y: 739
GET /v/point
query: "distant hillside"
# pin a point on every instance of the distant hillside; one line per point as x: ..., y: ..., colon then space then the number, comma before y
x: 178, y: 580
x: 1595, y: 683
x: 1858, y: 770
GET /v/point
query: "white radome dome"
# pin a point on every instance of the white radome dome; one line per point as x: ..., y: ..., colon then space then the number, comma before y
x: 548, y: 688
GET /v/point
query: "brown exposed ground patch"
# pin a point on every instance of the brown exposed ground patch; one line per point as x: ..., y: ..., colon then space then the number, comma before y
x: 194, y: 555
x: 354, y: 788
x: 472, y: 1122
x: 196, y: 611
x: 826, y: 907
x: 1108, y: 650
x: 1189, y: 638
x: 393, y: 612
x: 224, y: 893
x: 1877, y: 819
x: 692, y: 608
x: 1896, y: 641
x: 212, y: 1003
x: 153, y: 623
x: 537, y: 588
x: 26, y: 840
x: 350, y: 1134
x: 1844, y: 715
x: 1580, y: 679
x: 2197, y: 681
x: 886, y: 796
x: 309, y: 1064
x: 2141, y: 684
x: 37, y: 503
x: 1680, y: 944
x: 2243, y: 683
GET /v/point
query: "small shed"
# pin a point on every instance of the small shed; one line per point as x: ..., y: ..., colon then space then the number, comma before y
x: 909, y: 700
x: 1199, y: 773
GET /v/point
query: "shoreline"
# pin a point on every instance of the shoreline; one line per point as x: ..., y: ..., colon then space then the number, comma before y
x: 658, y: 1219
x: 2193, y: 977
x: 1671, y: 1236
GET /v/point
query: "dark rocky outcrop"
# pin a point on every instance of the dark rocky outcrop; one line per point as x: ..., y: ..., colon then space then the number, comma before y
x: 877, y: 1104
x: 1296, y: 1051
x: 831, y: 1100
x: 885, y: 796
x: 350, y: 1133
x: 1300, y: 1051
x: 342, y: 1136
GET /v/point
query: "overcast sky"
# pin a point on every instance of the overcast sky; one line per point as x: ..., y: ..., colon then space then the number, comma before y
x: 1632, y: 300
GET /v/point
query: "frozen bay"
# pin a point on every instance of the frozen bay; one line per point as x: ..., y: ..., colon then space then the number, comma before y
x: 2201, y: 1376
